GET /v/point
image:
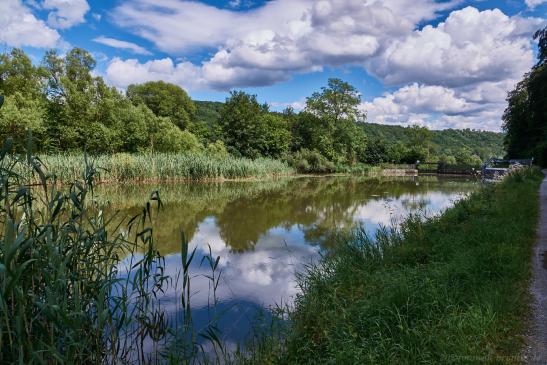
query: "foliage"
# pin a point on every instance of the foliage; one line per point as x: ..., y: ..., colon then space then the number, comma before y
x: 165, y: 100
x: 272, y: 135
x: 306, y: 161
x: 336, y: 102
x: 447, y: 159
x: 541, y: 37
x: 217, y: 150
x: 18, y: 74
x: 20, y: 115
x: 442, y: 290
x: 464, y: 156
x: 80, y: 285
x: 329, y: 123
x: 397, y: 142
x: 206, y: 121
x: 525, y: 118
x: 250, y: 130
x: 70, y: 109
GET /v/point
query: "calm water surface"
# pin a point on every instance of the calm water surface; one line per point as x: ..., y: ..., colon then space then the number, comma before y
x: 266, y: 231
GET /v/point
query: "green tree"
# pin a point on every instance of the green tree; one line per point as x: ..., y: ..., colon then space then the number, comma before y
x: 447, y: 159
x: 465, y: 156
x: 84, y: 112
x: 190, y: 143
x: 18, y: 74
x: 525, y: 118
x: 18, y: 115
x: 338, y: 101
x: 329, y: 123
x: 206, y: 121
x: 134, y: 124
x: 165, y: 136
x: 517, y: 120
x: 72, y: 102
x: 419, y: 142
x: 240, y: 120
x: 272, y: 136
x: 376, y: 152
x: 165, y: 100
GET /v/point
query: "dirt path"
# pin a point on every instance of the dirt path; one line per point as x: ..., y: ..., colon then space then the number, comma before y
x: 537, y: 338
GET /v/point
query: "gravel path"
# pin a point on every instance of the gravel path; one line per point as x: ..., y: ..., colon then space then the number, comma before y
x: 536, y: 352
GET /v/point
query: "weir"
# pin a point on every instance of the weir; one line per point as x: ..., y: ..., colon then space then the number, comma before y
x: 496, y: 168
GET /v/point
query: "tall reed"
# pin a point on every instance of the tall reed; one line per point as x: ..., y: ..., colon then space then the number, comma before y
x: 164, y: 167
x: 66, y: 295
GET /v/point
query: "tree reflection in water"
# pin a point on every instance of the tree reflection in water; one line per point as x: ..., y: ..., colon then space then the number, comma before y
x: 265, y: 231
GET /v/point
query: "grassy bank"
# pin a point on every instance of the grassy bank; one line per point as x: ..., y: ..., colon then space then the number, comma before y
x: 452, y: 289
x: 123, y: 167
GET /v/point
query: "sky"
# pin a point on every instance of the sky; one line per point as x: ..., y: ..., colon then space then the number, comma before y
x: 440, y: 64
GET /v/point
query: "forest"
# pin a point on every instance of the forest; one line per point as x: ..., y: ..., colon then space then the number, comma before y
x: 67, y: 108
x: 525, y: 118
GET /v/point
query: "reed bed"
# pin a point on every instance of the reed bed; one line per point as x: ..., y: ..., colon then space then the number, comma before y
x: 74, y: 289
x: 123, y: 167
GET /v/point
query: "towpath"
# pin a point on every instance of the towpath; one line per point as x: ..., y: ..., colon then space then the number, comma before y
x: 536, y: 352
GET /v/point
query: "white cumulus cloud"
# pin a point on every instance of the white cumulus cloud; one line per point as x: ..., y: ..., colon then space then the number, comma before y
x: 122, y: 73
x: 268, y: 44
x: 65, y: 13
x: 478, y: 106
x: 19, y: 27
x: 469, y: 46
x: 454, y: 73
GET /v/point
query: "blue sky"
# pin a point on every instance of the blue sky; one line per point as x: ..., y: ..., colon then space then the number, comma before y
x: 443, y: 64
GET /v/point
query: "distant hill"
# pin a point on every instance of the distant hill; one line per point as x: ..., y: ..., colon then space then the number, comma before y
x: 208, y: 111
x: 481, y: 143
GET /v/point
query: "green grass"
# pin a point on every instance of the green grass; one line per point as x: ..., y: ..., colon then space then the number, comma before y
x: 451, y: 289
x: 164, y: 167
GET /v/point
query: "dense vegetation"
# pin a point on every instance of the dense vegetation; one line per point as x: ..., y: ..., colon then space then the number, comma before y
x: 68, y: 109
x: 79, y: 284
x: 451, y: 289
x: 525, y: 118
x: 452, y: 146
x: 157, y: 167
x: 389, y: 144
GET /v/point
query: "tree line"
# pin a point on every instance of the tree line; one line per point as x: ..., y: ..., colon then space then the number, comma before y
x: 525, y: 118
x: 68, y: 108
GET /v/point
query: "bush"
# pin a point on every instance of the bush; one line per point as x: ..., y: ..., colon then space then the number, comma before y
x: 306, y: 161
x: 217, y: 150
x: 190, y: 143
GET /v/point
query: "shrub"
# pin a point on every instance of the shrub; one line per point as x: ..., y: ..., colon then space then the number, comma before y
x: 306, y: 161
x: 217, y: 150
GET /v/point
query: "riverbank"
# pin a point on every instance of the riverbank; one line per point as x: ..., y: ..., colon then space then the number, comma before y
x: 451, y: 289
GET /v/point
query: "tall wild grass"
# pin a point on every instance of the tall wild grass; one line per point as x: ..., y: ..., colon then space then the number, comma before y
x: 164, y: 167
x: 450, y: 289
x: 66, y: 296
